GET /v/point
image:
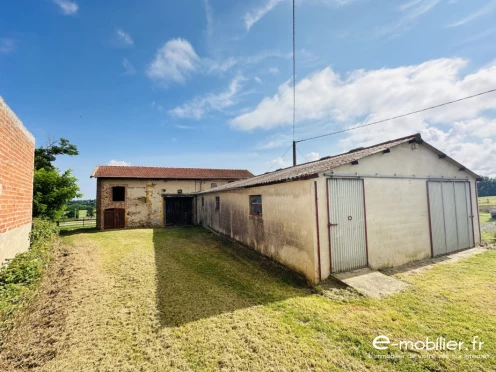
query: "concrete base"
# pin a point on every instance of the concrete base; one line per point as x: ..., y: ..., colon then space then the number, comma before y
x: 13, y: 242
x: 370, y: 282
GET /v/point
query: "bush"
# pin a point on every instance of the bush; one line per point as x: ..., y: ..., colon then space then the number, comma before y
x: 25, y: 269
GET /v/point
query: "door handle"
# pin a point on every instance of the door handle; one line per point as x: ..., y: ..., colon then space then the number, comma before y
x: 333, y: 224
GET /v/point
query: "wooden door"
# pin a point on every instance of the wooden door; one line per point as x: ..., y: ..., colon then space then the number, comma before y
x: 114, y: 218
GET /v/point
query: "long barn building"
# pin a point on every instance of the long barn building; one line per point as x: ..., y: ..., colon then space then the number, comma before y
x: 378, y: 206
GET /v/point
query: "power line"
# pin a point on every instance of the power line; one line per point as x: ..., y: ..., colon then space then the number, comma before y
x: 279, y: 158
x: 399, y: 116
x: 302, y: 154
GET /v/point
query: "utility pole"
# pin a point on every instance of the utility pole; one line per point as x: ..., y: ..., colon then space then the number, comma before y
x: 294, y: 153
x: 294, y: 86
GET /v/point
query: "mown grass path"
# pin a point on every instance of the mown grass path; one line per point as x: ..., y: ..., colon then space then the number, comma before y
x: 184, y: 299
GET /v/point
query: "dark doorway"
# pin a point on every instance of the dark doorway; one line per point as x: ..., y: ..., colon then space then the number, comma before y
x: 178, y: 211
x: 114, y: 219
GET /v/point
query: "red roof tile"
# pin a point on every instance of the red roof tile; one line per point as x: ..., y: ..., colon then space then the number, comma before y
x: 106, y: 171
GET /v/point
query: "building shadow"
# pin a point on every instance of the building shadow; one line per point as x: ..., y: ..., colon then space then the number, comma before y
x: 201, y: 275
x: 83, y: 230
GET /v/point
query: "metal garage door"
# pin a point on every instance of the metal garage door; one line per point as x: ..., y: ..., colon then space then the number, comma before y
x: 347, y: 225
x: 450, y: 216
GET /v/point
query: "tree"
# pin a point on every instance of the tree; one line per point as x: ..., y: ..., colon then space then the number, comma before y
x: 44, y: 156
x: 487, y: 187
x: 90, y: 211
x: 52, y: 189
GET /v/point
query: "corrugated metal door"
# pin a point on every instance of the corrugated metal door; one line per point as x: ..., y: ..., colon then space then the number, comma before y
x: 347, y: 224
x: 450, y: 216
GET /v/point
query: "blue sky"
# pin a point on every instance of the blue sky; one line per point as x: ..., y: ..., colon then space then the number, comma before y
x: 206, y: 83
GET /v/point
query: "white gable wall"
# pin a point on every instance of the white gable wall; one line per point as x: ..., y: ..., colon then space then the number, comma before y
x: 396, y: 209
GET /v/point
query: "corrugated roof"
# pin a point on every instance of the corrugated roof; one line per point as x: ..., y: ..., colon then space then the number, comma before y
x: 312, y: 168
x: 107, y: 171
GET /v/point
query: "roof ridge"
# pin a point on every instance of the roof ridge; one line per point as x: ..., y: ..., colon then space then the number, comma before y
x: 146, y: 166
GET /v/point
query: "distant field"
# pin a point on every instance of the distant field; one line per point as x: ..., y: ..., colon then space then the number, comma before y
x: 487, y: 201
x: 73, y: 224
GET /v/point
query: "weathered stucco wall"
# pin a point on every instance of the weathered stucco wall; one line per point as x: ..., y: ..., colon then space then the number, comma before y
x: 396, y: 209
x: 144, y: 201
x: 285, y: 232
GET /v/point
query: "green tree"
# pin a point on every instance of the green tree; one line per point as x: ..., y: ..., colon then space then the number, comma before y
x: 45, y: 156
x: 90, y: 211
x: 52, y: 189
x: 487, y: 187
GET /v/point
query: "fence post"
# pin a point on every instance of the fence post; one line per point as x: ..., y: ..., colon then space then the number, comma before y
x: 83, y: 221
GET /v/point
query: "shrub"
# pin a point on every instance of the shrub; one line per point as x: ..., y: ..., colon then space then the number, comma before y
x: 25, y: 269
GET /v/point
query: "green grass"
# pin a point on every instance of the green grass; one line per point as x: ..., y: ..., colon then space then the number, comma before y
x: 488, y: 235
x: 184, y: 299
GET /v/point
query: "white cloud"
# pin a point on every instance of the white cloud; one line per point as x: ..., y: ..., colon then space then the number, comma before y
x: 219, y: 67
x: 183, y: 126
x: 6, y: 45
x: 68, y: 7
x: 488, y: 8
x: 209, y: 17
x: 200, y: 106
x: 326, y: 95
x: 312, y: 156
x: 253, y: 17
x: 128, y: 67
x: 118, y: 163
x: 273, y: 70
x: 124, y: 38
x: 258, y: 80
x: 410, y: 12
x: 479, y: 157
x: 156, y: 106
x: 174, y: 62
x: 327, y: 101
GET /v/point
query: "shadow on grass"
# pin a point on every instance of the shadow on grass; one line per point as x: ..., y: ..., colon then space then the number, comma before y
x: 200, y: 275
x: 76, y: 231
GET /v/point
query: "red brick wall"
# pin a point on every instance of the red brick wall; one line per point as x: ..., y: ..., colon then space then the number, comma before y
x: 16, y: 171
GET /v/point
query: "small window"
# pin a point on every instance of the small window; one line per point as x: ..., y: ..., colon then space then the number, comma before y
x: 212, y: 185
x: 256, y: 205
x: 217, y: 203
x: 118, y: 193
x: 203, y: 201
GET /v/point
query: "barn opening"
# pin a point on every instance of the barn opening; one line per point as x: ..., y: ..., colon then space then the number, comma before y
x: 118, y: 193
x: 178, y: 211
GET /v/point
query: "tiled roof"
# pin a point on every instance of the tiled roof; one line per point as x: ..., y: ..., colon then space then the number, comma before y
x: 106, y: 171
x: 309, y: 169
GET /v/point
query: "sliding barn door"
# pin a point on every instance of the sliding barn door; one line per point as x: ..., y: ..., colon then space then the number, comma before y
x: 451, y: 216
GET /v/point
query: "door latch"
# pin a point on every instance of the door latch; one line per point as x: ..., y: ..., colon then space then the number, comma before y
x: 333, y: 224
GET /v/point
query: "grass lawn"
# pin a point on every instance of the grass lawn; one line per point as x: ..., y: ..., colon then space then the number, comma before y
x: 488, y: 227
x: 184, y: 299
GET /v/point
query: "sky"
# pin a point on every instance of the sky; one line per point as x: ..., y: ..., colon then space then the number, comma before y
x: 208, y: 83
